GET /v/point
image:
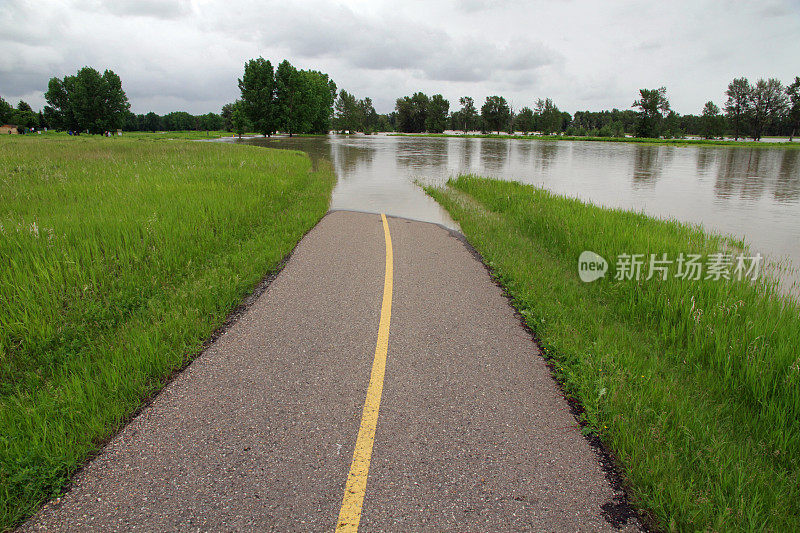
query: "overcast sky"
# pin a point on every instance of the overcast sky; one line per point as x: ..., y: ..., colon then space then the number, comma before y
x: 187, y: 54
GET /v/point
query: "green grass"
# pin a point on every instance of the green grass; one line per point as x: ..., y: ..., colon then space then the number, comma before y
x: 146, y: 135
x: 644, y: 140
x: 119, y: 257
x: 158, y: 135
x: 179, y: 135
x: 694, y: 385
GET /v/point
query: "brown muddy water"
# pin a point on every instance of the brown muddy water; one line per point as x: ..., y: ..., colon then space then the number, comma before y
x: 752, y: 193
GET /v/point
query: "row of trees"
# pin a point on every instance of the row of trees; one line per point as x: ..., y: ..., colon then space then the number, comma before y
x: 754, y: 108
x: 23, y: 116
x: 175, y: 121
x: 420, y: 113
x: 352, y: 114
x: 750, y: 109
x: 306, y: 101
x: 283, y: 99
x: 765, y: 107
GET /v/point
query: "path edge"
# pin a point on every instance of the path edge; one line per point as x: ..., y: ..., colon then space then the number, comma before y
x: 623, y: 510
x: 231, y: 318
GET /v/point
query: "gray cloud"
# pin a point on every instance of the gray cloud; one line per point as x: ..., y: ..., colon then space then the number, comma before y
x: 381, y: 43
x: 162, y: 9
x: 473, y: 6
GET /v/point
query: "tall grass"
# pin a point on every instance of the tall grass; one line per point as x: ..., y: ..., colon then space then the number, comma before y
x: 118, y: 258
x: 184, y: 135
x: 694, y: 385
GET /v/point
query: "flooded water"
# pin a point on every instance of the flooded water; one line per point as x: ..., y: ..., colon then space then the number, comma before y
x: 747, y: 192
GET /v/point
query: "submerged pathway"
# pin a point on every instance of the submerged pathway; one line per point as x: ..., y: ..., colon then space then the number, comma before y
x: 381, y: 383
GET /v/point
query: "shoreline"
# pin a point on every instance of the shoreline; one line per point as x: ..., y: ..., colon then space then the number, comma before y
x: 640, y: 140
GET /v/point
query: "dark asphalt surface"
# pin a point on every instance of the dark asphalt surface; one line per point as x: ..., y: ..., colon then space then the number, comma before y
x: 257, y: 434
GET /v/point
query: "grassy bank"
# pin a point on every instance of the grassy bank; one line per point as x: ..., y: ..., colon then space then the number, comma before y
x: 157, y: 135
x: 643, y: 140
x: 119, y: 258
x: 694, y: 385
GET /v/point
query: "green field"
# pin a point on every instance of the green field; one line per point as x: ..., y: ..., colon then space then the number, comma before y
x: 643, y: 140
x: 146, y: 135
x: 119, y: 257
x: 693, y: 385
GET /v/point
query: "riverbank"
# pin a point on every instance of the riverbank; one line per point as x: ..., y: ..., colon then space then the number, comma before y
x: 671, y: 142
x: 120, y: 258
x: 693, y: 385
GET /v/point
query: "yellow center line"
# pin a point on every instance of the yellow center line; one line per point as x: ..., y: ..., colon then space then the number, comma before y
x: 356, y: 485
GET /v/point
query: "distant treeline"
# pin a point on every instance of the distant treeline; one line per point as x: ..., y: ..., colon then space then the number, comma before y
x: 751, y: 110
x: 175, y: 121
x: 22, y: 116
x: 288, y: 100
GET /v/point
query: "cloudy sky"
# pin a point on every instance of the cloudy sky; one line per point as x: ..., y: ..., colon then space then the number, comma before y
x: 187, y: 54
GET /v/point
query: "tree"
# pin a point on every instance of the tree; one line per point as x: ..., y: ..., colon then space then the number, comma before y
x: 347, y: 111
x: 767, y: 104
x: 24, y: 117
x: 239, y: 118
x: 712, y: 123
x: 257, y: 86
x: 59, y: 111
x: 210, y: 122
x: 468, y: 113
x: 180, y: 121
x: 368, y: 115
x: 524, y: 120
x: 52, y: 118
x: 547, y: 116
x: 354, y: 115
x: 384, y: 123
x: 322, y: 94
x: 672, y: 126
x: 131, y: 122
x: 737, y: 107
x: 5, y: 111
x: 152, y: 122
x: 290, y: 108
x: 438, y: 109
x: 412, y: 113
x: 653, y: 106
x: 793, y: 93
x: 87, y: 101
x: 227, y: 116
x: 404, y: 109
x: 495, y: 113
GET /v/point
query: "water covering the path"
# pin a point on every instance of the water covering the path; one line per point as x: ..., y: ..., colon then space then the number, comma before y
x: 747, y: 192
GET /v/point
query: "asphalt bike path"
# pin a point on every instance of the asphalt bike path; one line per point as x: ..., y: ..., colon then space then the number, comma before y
x: 382, y: 382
